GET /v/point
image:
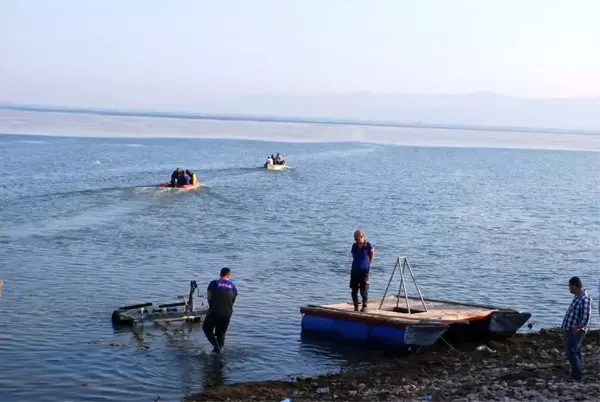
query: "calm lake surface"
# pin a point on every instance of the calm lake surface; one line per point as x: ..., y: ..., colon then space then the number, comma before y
x: 83, y: 231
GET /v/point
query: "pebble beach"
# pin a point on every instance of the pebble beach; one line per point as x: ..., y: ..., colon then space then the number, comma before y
x: 525, y: 367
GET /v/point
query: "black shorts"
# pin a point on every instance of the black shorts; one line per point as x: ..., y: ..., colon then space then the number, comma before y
x: 359, y: 280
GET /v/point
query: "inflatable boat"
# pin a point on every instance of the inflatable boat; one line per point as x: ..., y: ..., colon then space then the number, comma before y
x: 277, y: 167
x: 184, y: 187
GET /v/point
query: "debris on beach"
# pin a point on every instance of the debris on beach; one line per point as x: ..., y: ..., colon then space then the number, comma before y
x: 484, y: 348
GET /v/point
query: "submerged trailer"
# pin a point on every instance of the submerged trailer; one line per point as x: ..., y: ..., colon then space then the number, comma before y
x: 185, y: 310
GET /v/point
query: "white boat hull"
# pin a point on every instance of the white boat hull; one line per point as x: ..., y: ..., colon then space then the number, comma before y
x: 278, y: 167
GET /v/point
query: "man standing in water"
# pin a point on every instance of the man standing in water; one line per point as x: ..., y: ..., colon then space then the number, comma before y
x: 362, y: 256
x: 575, y: 324
x: 221, y: 295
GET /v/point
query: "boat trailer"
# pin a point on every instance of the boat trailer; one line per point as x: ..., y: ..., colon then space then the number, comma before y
x: 184, y: 310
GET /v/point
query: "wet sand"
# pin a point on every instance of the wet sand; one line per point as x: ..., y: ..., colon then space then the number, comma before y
x: 529, y: 367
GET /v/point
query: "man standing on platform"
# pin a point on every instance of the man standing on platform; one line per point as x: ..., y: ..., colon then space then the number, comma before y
x: 362, y: 256
x: 575, y: 324
x: 221, y: 295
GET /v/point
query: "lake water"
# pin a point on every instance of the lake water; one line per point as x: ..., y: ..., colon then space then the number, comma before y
x: 83, y: 231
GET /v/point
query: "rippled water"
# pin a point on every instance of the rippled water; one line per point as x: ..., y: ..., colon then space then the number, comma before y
x: 83, y: 232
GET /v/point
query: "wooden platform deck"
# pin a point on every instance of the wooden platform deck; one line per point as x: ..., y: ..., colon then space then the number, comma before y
x: 437, y: 310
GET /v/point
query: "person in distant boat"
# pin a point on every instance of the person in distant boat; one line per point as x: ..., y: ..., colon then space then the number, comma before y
x: 362, y: 257
x: 187, y: 171
x: 221, y: 295
x: 175, y: 177
x: 279, y: 159
x: 186, y: 178
x: 181, y: 178
x: 194, y: 178
x: 269, y: 162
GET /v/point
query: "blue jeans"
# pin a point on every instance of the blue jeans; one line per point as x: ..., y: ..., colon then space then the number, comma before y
x: 573, y: 352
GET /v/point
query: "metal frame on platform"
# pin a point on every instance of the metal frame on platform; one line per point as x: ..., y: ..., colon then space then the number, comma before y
x: 403, y: 263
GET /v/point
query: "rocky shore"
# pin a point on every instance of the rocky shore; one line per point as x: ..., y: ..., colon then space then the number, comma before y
x: 525, y: 367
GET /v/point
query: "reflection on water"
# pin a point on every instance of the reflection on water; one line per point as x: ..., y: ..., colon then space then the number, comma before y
x: 214, y: 371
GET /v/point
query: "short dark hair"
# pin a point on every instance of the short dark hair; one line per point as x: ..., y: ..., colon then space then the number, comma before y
x: 225, y: 272
x: 575, y: 281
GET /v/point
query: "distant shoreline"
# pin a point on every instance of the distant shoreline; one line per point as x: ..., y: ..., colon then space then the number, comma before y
x: 299, y: 120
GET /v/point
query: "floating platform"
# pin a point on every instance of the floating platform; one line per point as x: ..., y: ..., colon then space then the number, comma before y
x: 456, y: 322
x: 184, y: 310
x: 338, y: 322
x: 403, y: 322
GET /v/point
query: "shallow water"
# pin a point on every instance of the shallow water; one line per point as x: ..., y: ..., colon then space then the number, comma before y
x: 83, y: 231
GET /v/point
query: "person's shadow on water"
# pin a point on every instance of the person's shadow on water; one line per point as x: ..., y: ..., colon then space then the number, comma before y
x: 194, y: 360
x: 214, y: 371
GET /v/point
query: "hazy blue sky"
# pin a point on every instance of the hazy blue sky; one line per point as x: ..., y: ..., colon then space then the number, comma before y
x: 93, y: 52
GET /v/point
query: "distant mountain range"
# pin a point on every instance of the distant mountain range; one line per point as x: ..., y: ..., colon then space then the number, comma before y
x: 475, y: 111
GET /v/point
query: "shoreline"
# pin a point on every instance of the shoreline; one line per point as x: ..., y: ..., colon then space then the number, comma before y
x: 529, y: 366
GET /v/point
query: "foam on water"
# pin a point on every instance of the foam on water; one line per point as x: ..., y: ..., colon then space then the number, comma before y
x: 33, y: 142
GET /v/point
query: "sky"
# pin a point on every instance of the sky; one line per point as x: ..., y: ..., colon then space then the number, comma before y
x: 141, y: 53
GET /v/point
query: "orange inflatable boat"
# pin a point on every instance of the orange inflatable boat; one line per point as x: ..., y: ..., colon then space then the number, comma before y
x: 184, y: 187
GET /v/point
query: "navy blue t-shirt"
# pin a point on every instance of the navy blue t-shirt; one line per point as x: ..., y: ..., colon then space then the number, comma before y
x: 222, y: 296
x: 360, y: 257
